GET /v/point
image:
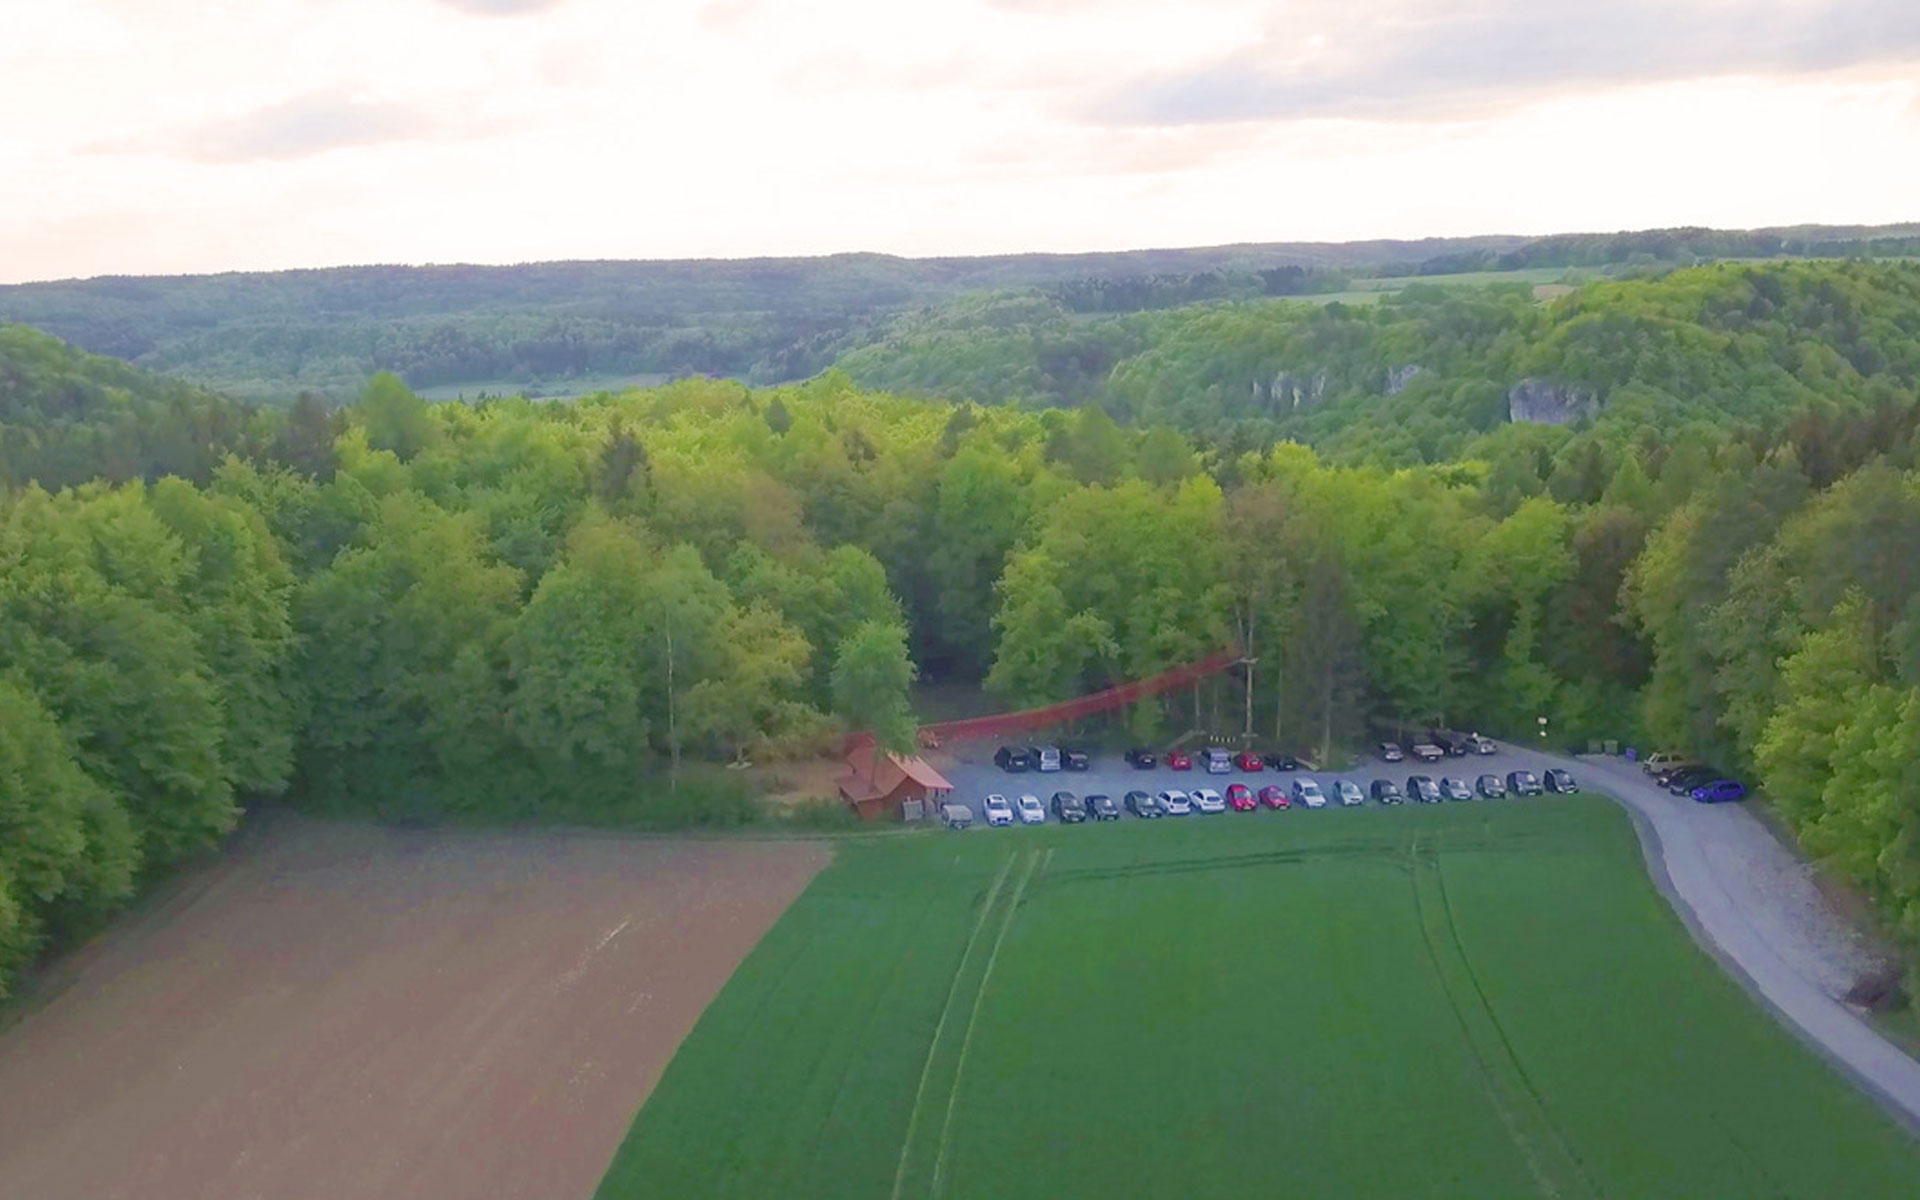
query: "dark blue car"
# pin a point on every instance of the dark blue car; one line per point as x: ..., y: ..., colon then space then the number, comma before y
x: 1719, y: 790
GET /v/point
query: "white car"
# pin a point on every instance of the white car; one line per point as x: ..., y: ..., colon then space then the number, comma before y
x: 1307, y: 792
x: 1349, y: 792
x: 1032, y: 812
x: 1175, y: 803
x: 1046, y: 758
x: 1208, y: 801
x: 998, y: 811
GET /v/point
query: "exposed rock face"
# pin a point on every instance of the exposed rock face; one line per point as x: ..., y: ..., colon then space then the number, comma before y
x: 1544, y: 402
x: 1290, y: 391
x: 1399, y: 377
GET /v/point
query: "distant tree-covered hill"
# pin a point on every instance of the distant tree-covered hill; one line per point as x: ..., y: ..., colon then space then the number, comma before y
x: 268, y: 335
x: 1422, y: 373
x: 67, y: 417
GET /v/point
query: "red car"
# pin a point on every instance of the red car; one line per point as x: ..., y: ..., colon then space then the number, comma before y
x: 1274, y: 797
x: 1239, y: 797
x: 1179, y: 760
x: 1248, y: 761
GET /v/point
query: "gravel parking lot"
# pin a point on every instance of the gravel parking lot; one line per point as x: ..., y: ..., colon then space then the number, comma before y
x: 970, y: 768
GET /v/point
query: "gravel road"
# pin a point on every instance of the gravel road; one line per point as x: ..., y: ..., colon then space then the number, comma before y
x: 1752, y: 903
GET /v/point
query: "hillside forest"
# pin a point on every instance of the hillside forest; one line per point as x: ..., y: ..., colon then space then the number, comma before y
x: 1707, y: 540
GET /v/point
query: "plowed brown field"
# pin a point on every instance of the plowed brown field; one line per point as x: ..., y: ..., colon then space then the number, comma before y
x: 340, y: 1011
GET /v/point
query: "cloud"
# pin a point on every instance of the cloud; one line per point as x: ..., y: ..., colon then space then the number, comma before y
x: 1473, y: 56
x: 306, y: 126
x: 502, y: 8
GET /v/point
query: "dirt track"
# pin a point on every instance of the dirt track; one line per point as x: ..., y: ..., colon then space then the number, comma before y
x: 340, y: 1011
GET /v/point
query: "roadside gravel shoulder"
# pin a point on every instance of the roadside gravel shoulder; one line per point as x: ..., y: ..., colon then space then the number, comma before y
x: 1753, y: 904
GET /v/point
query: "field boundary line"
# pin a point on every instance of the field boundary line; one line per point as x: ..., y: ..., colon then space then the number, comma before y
x: 973, y: 1018
x: 939, y: 1027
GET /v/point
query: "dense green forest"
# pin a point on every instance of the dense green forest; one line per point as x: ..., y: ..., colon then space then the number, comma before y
x: 266, y: 336
x: 548, y: 611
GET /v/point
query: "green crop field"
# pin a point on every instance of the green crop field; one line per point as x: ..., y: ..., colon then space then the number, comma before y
x: 1478, y: 1000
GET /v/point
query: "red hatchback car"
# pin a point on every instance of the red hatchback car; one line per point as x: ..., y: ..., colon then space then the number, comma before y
x: 1239, y: 797
x: 1248, y: 761
x: 1274, y: 797
x: 1179, y: 760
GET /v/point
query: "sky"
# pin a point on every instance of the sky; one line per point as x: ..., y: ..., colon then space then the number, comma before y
x: 168, y: 136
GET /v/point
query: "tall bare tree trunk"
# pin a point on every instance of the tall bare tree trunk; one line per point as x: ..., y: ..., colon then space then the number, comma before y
x: 673, y: 731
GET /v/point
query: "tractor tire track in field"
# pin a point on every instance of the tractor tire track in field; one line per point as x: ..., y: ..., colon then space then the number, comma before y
x: 1555, y: 1170
x: 966, y: 1041
x: 940, y: 1026
x: 1512, y: 1056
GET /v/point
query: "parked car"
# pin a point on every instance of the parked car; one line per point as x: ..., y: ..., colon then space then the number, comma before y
x: 1142, y: 760
x: 1678, y: 776
x: 1074, y: 759
x: 998, y: 811
x: 1422, y: 789
x: 1385, y: 791
x: 1561, y: 781
x: 956, y: 816
x: 1660, y: 761
x: 1175, y: 803
x: 1390, y: 752
x: 1492, y: 787
x: 1453, y: 745
x: 1427, y: 752
x: 1274, y: 796
x: 1307, y: 793
x: 1523, y: 783
x: 1207, y: 800
x: 1046, y: 758
x: 1216, y: 761
x: 1248, y: 761
x: 1028, y: 807
x: 1101, y: 807
x: 1283, y: 762
x: 1480, y: 745
x: 1454, y: 788
x: 1348, y: 793
x: 1683, y: 781
x: 1140, y: 804
x: 1239, y: 797
x: 1068, y: 808
x: 1179, y: 760
x: 1013, y: 759
x: 1719, y: 791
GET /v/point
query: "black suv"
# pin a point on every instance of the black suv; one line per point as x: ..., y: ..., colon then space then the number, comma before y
x: 1102, y: 807
x: 1141, y: 804
x: 1013, y: 759
x: 1074, y: 759
x: 1683, y: 781
x: 1142, y: 760
x: 1385, y: 791
x: 1561, y: 781
x: 1422, y: 789
x: 1068, y: 808
x: 1522, y: 783
x: 1281, y: 762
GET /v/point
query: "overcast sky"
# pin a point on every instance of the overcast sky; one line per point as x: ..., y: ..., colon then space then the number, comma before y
x: 149, y: 136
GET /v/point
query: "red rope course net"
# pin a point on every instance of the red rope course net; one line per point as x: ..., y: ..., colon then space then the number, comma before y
x: 998, y: 725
